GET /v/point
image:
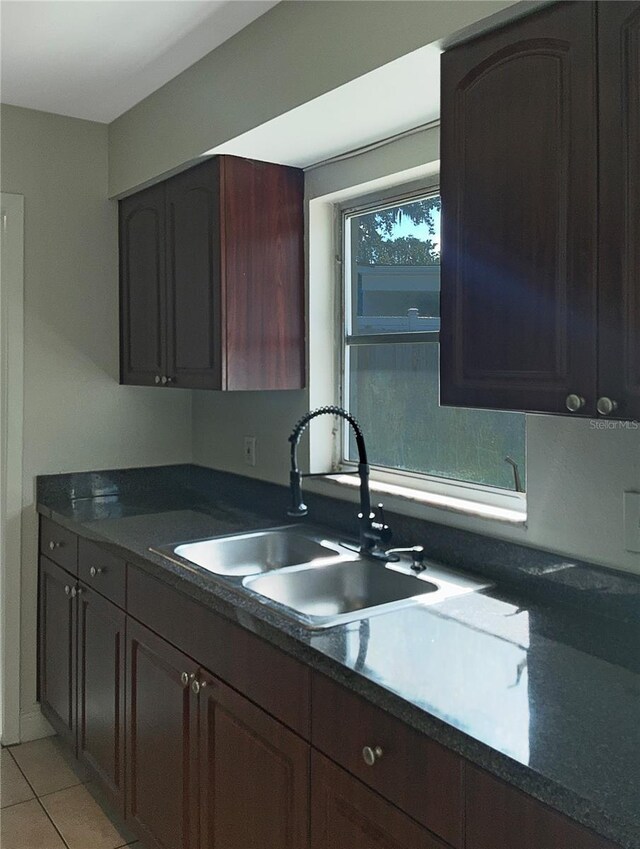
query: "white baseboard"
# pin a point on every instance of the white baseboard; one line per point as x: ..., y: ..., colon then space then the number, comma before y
x: 33, y: 726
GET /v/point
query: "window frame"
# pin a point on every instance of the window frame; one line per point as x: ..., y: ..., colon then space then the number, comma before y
x: 414, y: 484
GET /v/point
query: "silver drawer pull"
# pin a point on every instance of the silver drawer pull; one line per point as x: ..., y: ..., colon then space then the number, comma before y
x: 53, y: 545
x: 67, y: 589
x: 606, y: 406
x: 95, y: 570
x: 574, y: 402
x: 371, y: 755
x: 185, y: 678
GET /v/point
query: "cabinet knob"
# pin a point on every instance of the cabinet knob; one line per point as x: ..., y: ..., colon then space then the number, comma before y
x: 606, y: 406
x: 169, y: 380
x: 67, y: 589
x: 574, y: 403
x: 163, y: 379
x: 95, y: 570
x: 185, y: 678
x: 53, y: 545
x: 157, y: 378
x: 371, y: 755
x: 75, y: 591
x: 196, y: 686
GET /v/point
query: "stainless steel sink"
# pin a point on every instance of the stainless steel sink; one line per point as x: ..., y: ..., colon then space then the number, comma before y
x: 324, y: 595
x: 251, y: 554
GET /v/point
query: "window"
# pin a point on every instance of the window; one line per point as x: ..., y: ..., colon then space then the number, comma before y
x: 390, y: 370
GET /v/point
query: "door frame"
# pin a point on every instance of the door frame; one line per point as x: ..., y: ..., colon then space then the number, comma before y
x: 11, y: 434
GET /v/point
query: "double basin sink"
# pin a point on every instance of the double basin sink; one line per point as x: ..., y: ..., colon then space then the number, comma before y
x: 317, y: 582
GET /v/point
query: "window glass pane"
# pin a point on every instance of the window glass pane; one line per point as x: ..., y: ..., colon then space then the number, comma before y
x: 395, y: 268
x: 393, y: 392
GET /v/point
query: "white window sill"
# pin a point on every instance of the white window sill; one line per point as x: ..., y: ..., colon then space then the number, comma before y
x: 451, y: 503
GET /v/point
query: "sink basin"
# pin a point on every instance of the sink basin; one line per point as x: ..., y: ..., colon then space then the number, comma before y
x: 251, y: 554
x: 328, y: 594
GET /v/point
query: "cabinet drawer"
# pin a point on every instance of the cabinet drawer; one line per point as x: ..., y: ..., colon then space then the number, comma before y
x: 263, y: 673
x: 59, y: 545
x: 499, y: 815
x: 419, y: 776
x: 102, y: 571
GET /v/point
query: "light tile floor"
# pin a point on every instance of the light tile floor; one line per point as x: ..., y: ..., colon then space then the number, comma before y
x: 47, y: 802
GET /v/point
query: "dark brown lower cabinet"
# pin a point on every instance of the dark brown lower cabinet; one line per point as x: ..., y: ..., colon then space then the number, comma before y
x: 500, y: 817
x: 161, y: 741
x: 101, y: 664
x: 57, y: 683
x: 347, y: 815
x: 254, y: 775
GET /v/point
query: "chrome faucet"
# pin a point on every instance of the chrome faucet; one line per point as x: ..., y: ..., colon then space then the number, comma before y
x: 374, y: 535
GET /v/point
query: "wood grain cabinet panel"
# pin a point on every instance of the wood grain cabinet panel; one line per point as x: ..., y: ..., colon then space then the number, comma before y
x: 519, y: 212
x: 101, y: 686
x: 59, y: 544
x: 347, y: 815
x: 501, y: 817
x: 415, y: 773
x: 619, y: 243
x: 142, y: 287
x: 254, y: 775
x: 212, y: 279
x: 57, y: 655
x: 102, y: 571
x: 160, y: 742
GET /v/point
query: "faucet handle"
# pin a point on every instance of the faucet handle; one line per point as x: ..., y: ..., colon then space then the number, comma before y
x: 383, y: 521
x: 417, y: 556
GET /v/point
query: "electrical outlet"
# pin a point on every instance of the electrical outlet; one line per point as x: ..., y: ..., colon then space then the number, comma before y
x: 632, y: 521
x: 250, y: 450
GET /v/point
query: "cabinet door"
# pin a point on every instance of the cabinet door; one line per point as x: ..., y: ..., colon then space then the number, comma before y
x: 501, y: 816
x: 142, y: 287
x: 254, y: 775
x: 57, y: 649
x: 193, y: 278
x: 160, y: 741
x: 263, y: 272
x: 619, y: 79
x: 344, y: 813
x: 101, y: 658
x: 519, y: 194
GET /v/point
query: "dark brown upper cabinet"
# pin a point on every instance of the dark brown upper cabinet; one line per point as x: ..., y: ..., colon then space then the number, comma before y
x: 619, y: 293
x: 212, y: 279
x: 539, y: 274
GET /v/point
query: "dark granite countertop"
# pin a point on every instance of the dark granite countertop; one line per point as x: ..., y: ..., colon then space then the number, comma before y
x: 541, y: 694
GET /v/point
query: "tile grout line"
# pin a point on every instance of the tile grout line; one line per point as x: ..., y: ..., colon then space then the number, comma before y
x: 37, y: 799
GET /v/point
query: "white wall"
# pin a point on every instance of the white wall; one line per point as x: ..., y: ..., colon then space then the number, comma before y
x: 576, y: 472
x: 76, y: 416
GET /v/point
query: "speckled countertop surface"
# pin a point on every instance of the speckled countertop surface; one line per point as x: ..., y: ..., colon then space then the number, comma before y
x: 542, y: 695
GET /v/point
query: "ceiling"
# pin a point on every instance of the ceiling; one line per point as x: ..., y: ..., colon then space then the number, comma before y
x: 95, y: 59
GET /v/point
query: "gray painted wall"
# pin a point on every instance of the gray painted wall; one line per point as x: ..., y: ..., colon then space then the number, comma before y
x: 76, y: 416
x: 292, y: 54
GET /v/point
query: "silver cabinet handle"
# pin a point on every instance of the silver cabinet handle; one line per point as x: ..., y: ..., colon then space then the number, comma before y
x: 574, y: 403
x: 157, y: 378
x: 163, y: 380
x: 196, y: 686
x: 184, y: 678
x: 606, y: 406
x: 53, y: 545
x: 67, y: 589
x: 371, y: 755
x: 75, y: 591
x: 95, y: 570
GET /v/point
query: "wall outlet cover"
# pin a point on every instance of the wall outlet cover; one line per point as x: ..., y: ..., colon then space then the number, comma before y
x: 250, y: 450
